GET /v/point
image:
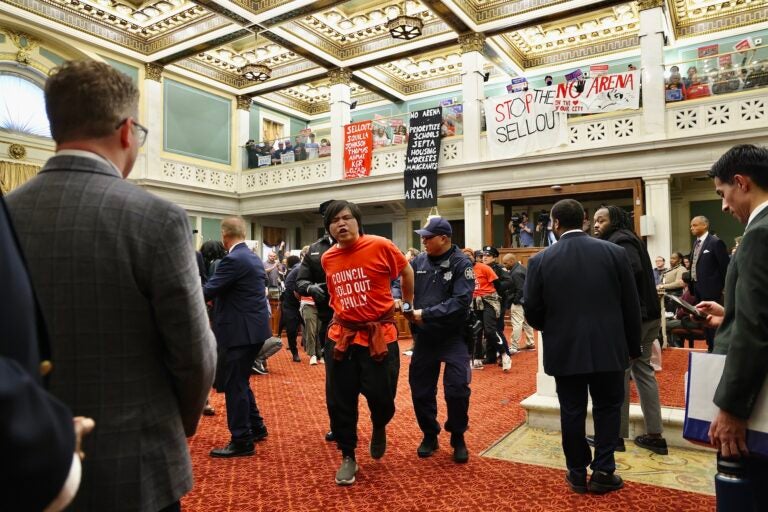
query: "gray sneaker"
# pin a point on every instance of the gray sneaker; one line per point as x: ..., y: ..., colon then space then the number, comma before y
x: 346, y: 473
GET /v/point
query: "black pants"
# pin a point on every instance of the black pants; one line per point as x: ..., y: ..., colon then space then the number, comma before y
x: 290, y: 319
x: 243, y: 417
x: 428, y: 354
x: 358, y: 374
x: 607, y: 392
x: 494, y: 344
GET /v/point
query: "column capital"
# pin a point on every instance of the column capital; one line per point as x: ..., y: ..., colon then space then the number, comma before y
x: 153, y: 71
x: 340, y: 76
x: 244, y: 103
x: 471, y: 42
x: 644, y: 5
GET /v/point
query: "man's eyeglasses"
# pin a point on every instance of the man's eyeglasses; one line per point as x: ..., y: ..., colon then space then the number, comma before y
x: 141, y: 131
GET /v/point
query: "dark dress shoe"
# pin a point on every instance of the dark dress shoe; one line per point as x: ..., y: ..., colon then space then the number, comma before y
x: 208, y: 410
x: 296, y: 358
x: 427, y: 447
x: 620, y: 447
x: 655, y: 444
x: 602, y: 482
x: 233, y: 449
x: 260, y: 434
x: 578, y: 484
x: 329, y: 436
x: 378, y: 442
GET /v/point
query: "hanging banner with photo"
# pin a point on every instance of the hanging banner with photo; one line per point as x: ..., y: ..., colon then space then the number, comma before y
x: 524, y: 122
x: 605, y: 93
x: 358, y: 147
x: 421, y: 158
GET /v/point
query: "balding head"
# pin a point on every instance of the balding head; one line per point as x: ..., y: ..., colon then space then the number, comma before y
x: 508, y: 260
x: 232, y: 231
x: 699, y: 225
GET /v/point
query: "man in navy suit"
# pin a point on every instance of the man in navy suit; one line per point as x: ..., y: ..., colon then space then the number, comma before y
x: 709, y: 263
x: 580, y: 292
x: 241, y: 325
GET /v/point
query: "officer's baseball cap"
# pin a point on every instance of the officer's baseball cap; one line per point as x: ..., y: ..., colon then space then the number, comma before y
x: 435, y: 227
x: 491, y: 251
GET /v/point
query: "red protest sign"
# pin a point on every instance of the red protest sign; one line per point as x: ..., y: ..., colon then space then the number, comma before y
x: 358, y: 148
x: 709, y: 50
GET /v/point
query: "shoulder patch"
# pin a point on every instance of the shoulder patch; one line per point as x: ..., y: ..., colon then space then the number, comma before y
x: 469, y: 273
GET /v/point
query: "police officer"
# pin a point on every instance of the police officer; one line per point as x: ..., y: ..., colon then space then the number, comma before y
x: 444, y: 282
x: 310, y: 282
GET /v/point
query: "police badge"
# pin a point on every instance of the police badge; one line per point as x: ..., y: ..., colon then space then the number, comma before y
x: 448, y: 275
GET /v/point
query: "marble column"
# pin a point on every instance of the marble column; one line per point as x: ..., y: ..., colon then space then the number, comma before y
x: 473, y: 93
x: 152, y: 109
x: 341, y: 98
x: 474, y: 219
x: 658, y: 208
x: 243, y: 127
x: 652, y: 67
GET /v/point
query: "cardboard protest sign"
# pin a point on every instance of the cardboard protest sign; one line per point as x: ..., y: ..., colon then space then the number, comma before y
x: 421, y: 158
x: 605, y: 93
x: 524, y: 122
x: 358, y: 147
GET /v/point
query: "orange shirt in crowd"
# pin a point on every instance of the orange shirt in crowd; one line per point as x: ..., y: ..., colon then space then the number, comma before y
x: 484, y: 278
x: 358, y: 279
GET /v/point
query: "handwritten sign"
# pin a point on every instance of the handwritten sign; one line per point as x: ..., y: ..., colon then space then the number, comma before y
x: 605, y: 93
x: 708, y: 51
x: 421, y: 157
x: 358, y: 147
x: 744, y: 44
x: 524, y: 122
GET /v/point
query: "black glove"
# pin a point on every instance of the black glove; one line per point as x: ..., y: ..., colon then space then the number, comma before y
x: 319, y: 292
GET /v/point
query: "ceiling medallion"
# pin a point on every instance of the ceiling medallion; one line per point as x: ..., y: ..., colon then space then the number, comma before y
x: 17, y: 151
x: 405, y: 27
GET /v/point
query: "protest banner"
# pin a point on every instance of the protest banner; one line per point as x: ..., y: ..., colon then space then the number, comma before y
x: 605, y: 93
x: 358, y: 147
x: 708, y: 51
x: 524, y: 122
x: 421, y: 158
x: 744, y: 44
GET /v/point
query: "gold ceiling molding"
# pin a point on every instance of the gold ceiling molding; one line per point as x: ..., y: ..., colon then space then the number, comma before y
x: 644, y: 5
x: 259, y: 6
x: 244, y: 103
x: 153, y: 71
x: 472, y: 42
x: 340, y: 76
x: 24, y: 43
x: 489, y: 11
x: 214, y: 73
x: 386, y: 41
x: 714, y: 24
x: 119, y: 33
x: 432, y: 84
x: 595, y: 49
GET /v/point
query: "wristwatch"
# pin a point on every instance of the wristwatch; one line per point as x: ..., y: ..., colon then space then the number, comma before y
x: 406, y: 307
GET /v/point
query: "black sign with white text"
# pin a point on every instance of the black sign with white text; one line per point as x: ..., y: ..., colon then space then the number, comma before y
x: 421, y: 158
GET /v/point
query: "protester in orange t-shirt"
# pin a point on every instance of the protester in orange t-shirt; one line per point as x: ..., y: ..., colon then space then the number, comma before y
x: 364, y: 356
x: 487, y: 307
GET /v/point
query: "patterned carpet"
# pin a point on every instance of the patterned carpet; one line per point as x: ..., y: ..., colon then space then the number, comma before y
x: 294, y: 467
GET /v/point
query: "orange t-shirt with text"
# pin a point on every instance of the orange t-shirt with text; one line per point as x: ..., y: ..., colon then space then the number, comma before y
x: 359, y: 278
x: 484, y: 278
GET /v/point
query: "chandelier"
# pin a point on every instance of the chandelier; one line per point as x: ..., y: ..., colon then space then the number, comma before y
x: 405, y: 27
x: 256, y: 72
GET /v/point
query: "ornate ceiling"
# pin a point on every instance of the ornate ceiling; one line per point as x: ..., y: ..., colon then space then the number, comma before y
x: 301, y: 40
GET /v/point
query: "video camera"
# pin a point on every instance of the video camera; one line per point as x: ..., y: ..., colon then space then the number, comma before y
x: 543, y: 218
x: 514, y: 223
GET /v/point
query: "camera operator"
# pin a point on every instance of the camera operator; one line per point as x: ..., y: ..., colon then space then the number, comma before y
x: 525, y: 227
x: 544, y: 229
x: 514, y: 229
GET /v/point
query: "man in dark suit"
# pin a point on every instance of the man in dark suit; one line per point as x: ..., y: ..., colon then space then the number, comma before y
x: 114, y: 270
x: 741, y: 180
x: 588, y: 338
x: 40, y: 445
x: 709, y: 263
x: 241, y: 324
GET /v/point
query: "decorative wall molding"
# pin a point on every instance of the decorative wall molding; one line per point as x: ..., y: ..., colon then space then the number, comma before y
x: 153, y: 71
x: 341, y: 76
x: 471, y: 42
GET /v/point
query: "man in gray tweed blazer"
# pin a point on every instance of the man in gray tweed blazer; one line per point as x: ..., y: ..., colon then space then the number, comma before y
x: 114, y: 269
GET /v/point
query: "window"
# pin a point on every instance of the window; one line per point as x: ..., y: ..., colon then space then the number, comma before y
x: 22, y: 106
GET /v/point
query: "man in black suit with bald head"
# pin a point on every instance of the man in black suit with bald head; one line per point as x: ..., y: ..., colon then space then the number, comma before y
x: 580, y: 292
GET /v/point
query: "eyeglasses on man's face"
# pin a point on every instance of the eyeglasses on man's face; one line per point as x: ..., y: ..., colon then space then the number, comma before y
x: 141, y: 131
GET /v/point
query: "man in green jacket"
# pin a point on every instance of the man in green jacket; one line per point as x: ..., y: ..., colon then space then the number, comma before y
x: 741, y: 180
